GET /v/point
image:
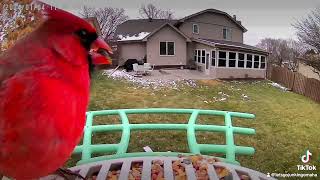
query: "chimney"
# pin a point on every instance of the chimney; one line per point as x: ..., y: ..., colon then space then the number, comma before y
x: 234, y: 17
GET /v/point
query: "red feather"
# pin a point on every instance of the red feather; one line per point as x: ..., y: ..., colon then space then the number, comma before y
x: 44, y: 87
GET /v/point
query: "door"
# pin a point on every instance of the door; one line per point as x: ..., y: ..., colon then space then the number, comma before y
x: 207, y: 64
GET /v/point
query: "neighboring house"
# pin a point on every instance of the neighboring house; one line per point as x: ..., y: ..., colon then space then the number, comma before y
x: 210, y: 41
x: 94, y: 22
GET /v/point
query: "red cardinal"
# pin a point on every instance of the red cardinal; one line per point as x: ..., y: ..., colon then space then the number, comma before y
x: 44, y: 93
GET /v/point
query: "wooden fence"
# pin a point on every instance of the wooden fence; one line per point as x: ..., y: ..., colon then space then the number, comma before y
x: 295, y: 82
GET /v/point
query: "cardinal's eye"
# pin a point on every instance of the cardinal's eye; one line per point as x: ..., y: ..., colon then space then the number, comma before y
x: 86, y: 38
x: 82, y: 33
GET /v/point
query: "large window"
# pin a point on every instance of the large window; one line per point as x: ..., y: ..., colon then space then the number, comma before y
x: 200, y: 55
x: 167, y: 48
x: 240, y: 60
x: 195, y: 28
x: 249, y: 61
x: 222, y: 59
x: 263, y: 62
x: 232, y: 59
x: 213, y: 58
x: 256, y: 61
x: 227, y: 33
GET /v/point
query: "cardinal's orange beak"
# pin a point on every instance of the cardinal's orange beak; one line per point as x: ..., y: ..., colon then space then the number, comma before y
x: 100, y: 52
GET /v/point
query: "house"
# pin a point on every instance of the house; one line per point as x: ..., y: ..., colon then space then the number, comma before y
x: 210, y: 41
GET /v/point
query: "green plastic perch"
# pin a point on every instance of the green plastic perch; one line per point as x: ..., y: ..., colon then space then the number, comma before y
x: 229, y: 149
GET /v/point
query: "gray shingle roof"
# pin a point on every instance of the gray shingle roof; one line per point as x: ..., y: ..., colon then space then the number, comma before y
x: 231, y: 44
x: 135, y: 26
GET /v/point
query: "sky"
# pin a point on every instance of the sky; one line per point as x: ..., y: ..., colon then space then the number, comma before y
x: 262, y: 18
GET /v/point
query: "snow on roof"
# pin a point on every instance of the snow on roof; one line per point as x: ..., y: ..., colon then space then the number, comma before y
x: 139, y: 36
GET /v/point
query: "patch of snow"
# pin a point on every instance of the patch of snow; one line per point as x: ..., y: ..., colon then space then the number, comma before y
x: 222, y: 97
x: 279, y: 86
x: 148, y: 83
x: 139, y: 36
x: 244, y: 96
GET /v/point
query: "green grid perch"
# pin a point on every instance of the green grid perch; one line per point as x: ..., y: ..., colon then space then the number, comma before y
x: 229, y: 149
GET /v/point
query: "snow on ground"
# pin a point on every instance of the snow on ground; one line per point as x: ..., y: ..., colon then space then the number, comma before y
x: 139, y: 36
x: 278, y: 86
x: 149, y: 83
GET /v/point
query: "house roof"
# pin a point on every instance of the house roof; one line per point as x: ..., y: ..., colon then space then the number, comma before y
x: 164, y: 25
x: 136, y: 26
x: 229, y: 44
x: 217, y: 12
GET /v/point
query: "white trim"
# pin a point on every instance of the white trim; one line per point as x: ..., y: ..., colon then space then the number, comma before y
x: 174, y: 49
x: 193, y: 25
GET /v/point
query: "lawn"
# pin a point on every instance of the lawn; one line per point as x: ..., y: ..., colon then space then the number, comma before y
x: 286, y: 123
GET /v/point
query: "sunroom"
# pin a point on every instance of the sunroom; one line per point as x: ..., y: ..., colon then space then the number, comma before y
x: 230, y: 61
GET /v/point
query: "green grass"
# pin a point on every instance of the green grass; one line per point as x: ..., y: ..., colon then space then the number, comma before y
x: 286, y: 123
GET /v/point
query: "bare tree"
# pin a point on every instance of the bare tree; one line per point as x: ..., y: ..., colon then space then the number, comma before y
x: 308, y: 32
x: 109, y: 18
x: 150, y: 11
x: 283, y: 52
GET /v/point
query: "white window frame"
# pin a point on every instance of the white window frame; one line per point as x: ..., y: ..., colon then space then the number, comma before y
x: 265, y: 62
x: 174, y: 48
x: 228, y: 33
x: 226, y: 59
x: 205, y: 52
x: 244, y: 60
x: 254, y: 61
x: 252, y: 58
x: 193, y: 29
x: 198, y: 56
x: 215, y: 57
x: 201, y: 50
x: 232, y: 59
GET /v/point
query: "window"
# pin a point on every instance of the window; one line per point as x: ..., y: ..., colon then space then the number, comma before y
x: 195, y: 28
x: 249, y: 60
x: 240, y: 60
x: 200, y: 56
x: 256, y: 61
x: 195, y: 55
x: 227, y: 33
x: 167, y: 48
x: 213, y: 57
x: 232, y: 59
x: 222, y: 59
x: 263, y: 62
x: 203, y: 56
